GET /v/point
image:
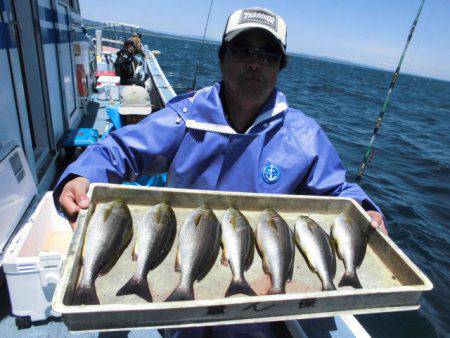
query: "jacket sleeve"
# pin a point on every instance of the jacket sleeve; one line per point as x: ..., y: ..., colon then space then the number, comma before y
x: 146, y: 148
x: 326, y: 175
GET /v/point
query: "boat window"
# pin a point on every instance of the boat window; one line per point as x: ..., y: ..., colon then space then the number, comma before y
x: 73, y: 4
x: 30, y: 53
x: 66, y: 64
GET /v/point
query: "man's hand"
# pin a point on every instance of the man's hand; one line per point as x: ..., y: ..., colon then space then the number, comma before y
x: 377, y: 221
x: 73, y: 198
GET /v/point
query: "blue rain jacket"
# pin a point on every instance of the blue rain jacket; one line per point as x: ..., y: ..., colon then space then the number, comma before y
x: 283, y: 152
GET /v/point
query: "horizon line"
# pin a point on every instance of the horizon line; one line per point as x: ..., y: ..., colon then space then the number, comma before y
x: 198, y: 39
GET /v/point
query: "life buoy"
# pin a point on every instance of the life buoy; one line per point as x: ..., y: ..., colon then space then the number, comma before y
x: 82, y: 81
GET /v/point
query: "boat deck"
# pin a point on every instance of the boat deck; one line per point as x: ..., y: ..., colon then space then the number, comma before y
x: 97, y: 117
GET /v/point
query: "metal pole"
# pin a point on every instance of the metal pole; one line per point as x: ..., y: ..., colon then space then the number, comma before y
x: 98, y: 40
x: 115, y: 32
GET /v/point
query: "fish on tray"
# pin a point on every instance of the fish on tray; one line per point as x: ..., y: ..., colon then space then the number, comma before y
x: 155, y: 236
x: 314, y: 244
x: 238, y: 250
x: 108, y: 234
x: 351, y: 244
x: 276, y: 244
x: 198, y: 247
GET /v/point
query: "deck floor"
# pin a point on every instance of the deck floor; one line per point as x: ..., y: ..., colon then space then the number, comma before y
x: 53, y: 327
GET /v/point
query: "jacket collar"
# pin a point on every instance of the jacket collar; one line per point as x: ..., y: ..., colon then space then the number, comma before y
x: 204, y: 110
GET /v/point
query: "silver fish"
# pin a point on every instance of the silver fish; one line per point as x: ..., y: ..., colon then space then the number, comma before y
x: 156, y: 233
x: 276, y: 245
x: 109, y: 232
x: 238, y: 250
x: 198, y: 247
x: 314, y: 244
x: 351, y: 243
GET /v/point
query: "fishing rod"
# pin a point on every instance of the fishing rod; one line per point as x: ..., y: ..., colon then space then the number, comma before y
x: 369, y: 153
x: 194, y: 81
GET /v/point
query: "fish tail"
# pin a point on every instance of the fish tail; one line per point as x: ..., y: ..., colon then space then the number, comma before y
x: 138, y: 286
x: 276, y: 291
x: 86, y: 294
x: 181, y: 293
x: 238, y: 286
x: 328, y: 286
x: 350, y: 278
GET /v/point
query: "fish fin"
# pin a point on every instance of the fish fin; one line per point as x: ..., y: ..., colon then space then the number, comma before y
x: 263, y: 259
x: 307, y: 260
x: 291, y: 263
x: 362, y: 252
x: 177, y: 262
x: 83, y: 252
x: 86, y: 235
x: 134, y: 253
x: 158, y: 215
x: 197, y: 219
x: 332, y: 231
x: 350, y: 279
x: 291, y: 270
x: 333, y: 265
x: 173, y: 232
x: 107, y: 268
x: 239, y: 287
x: 181, y: 293
x: 107, y: 213
x: 328, y: 286
x: 271, y: 222
x: 333, y: 256
x: 335, y: 246
x: 250, y: 252
x: 137, y: 286
x: 86, y: 294
x: 224, y: 259
x: 264, y: 266
x: 233, y: 222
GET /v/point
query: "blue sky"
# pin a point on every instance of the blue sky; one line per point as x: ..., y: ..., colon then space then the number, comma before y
x: 369, y: 32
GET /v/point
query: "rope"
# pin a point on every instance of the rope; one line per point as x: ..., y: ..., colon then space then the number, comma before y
x: 194, y: 81
x: 369, y: 153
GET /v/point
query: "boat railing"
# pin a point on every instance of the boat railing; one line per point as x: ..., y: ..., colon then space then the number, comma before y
x: 160, y: 82
x: 119, y: 43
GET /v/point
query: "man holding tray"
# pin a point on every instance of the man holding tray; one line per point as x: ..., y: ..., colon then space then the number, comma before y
x: 237, y: 135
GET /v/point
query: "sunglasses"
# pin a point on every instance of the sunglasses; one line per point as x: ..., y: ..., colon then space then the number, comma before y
x: 247, y: 53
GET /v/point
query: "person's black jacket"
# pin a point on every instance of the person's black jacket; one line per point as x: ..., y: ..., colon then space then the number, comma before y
x: 124, y: 66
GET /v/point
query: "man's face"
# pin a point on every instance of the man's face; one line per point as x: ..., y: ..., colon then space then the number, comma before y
x: 253, y: 77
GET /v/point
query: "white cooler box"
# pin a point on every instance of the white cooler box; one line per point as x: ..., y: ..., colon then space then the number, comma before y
x: 33, y: 260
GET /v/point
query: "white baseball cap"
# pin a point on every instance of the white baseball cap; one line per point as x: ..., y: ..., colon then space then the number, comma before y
x: 256, y: 17
x: 134, y: 100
